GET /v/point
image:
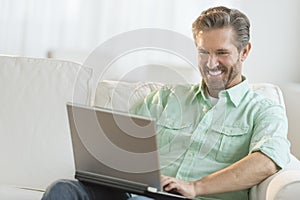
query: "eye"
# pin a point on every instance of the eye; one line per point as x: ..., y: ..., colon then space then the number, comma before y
x: 223, y: 53
x: 202, y: 52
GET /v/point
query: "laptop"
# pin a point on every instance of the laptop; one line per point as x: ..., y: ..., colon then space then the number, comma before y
x: 116, y: 149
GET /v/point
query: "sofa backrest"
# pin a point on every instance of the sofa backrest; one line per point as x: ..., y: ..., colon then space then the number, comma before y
x: 121, y: 95
x: 35, y: 147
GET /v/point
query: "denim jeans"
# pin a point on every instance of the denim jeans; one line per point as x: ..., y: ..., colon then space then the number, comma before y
x: 76, y: 190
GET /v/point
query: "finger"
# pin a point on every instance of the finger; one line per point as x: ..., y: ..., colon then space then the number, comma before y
x: 162, y: 177
x: 166, y: 181
x: 172, y: 186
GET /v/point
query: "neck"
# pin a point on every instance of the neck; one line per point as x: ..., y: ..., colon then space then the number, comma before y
x: 213, y: 93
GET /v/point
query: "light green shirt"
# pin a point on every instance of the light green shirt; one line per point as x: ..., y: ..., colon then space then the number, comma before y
x: 196, y: 139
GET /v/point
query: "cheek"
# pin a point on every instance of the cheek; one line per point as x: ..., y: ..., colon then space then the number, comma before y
x: 201, y: 63
x: 202, y: 60
x: 227, y: 61
x: 201, y: 66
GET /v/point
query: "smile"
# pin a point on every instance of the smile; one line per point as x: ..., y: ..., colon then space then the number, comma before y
x: 214, y: 72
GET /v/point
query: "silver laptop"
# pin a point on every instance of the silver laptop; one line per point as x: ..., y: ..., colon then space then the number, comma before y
x: 116, y: 149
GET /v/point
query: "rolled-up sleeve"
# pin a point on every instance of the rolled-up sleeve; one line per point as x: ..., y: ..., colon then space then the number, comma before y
x: 270, y: 133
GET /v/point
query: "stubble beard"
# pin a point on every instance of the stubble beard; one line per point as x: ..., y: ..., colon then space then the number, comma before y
x: 225, y: 81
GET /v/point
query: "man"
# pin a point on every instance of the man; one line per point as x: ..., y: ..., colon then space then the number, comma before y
x: 219, y: 138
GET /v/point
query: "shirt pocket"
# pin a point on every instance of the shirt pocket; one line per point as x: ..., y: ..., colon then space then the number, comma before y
x: 173, y: 136
x: 234, y: 143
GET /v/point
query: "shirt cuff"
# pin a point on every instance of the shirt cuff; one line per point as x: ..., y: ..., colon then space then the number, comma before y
x: 277, y: 149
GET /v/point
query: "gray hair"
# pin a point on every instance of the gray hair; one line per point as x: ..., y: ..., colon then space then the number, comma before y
x: 222, y: 17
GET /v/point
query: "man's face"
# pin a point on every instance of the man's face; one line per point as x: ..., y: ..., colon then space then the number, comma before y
x: 219, y: 60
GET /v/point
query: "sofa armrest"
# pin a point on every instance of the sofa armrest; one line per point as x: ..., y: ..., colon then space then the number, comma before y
x: 283, y: 185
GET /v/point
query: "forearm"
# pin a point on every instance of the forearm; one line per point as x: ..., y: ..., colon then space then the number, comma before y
x: 243, y: 174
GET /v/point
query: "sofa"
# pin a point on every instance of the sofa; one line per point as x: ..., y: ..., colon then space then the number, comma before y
x: 35, y: 144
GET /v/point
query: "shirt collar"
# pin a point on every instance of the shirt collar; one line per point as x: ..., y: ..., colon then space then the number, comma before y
x: 235, y: 94
x: 202, y: 90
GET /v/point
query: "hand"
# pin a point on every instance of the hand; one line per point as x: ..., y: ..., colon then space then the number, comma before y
x: 184, y: 188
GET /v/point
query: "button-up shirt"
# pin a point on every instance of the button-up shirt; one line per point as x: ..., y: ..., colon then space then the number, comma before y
x: 196, y: 139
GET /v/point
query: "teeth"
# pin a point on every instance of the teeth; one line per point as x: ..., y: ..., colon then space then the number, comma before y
x: 215, y: 73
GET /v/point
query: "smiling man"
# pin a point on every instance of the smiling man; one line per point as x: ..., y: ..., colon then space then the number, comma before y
x: 236, y: 138
x: 217, y: 138
x: 220, y: 61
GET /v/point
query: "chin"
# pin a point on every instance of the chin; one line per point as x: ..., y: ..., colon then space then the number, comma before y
x: 216, y: 85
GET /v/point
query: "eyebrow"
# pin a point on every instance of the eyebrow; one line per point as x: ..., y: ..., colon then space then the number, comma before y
x: 218, y: 50
x: 223, y: 50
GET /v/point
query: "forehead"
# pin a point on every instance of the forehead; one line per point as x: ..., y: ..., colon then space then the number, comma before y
x: 221, y: 38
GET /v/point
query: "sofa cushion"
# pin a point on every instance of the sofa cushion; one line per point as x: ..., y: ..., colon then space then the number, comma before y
x: 121, y: 95
x: 13, y: 193
x: 35, y: 147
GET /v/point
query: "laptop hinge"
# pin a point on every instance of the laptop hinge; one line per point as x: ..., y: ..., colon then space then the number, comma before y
x: 113, y: 182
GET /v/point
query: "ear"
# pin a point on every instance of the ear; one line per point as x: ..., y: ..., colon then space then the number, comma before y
x: 245, y: 51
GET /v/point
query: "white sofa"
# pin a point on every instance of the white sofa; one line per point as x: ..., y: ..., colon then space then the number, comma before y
x: 35, y: 146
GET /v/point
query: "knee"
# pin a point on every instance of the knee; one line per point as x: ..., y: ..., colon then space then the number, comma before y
x: 61, y: 186
x: 65, y: 189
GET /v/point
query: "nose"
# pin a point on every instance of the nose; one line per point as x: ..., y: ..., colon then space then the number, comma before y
x: 212, y: 61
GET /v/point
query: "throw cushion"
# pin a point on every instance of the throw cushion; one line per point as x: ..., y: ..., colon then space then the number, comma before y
x: 35, y: 145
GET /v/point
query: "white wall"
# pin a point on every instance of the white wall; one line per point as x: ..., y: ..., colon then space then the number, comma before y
x: 31, y: 27
x: 275, y: 37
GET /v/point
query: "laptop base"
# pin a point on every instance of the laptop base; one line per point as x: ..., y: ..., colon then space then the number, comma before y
x: 125, y: 185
